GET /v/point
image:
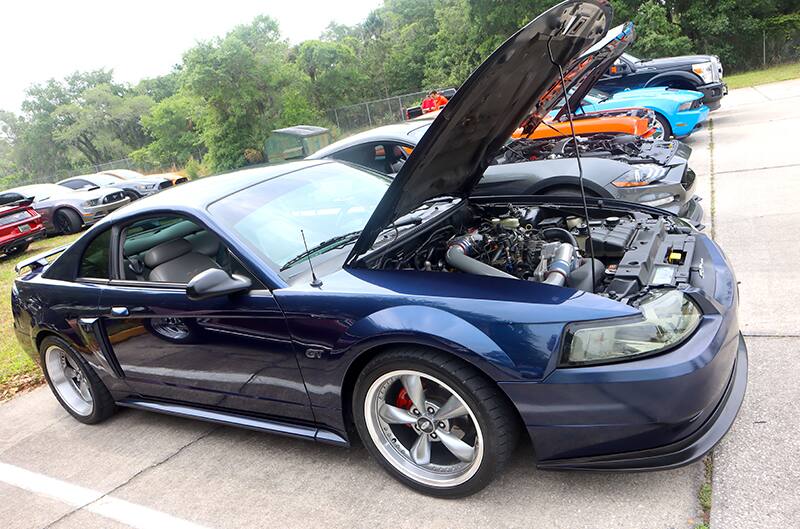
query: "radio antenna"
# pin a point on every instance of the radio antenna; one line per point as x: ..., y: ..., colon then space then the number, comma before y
x: 577, y: 158
x: 315, y: 282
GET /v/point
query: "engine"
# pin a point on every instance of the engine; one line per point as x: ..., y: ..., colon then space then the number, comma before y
x: 626, y: 254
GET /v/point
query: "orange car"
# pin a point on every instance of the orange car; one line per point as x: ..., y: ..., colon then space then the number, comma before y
x: 635, y: 121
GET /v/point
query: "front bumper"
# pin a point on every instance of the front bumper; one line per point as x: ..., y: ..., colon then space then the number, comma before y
x: 683, y: 452
x: 688, y: 121
x: 93, y: 214
x: 656, y: 412
x: 713, y: 94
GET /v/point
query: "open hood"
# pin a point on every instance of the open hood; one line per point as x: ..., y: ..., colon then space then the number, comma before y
x: 519, y: 76
x: 593, y: 64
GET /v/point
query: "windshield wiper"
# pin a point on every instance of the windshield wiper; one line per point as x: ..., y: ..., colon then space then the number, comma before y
x: 324, y: 246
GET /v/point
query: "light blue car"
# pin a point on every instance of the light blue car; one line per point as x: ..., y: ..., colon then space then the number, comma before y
x: 679, y: 112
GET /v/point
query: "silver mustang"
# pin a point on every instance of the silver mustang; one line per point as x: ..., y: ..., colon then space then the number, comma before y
x: 657, y: 175
x: 65, y: 210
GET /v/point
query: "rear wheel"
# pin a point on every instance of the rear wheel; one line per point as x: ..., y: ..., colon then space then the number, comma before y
x: 74, y: 383
x: 67, y: 222
x: 433, y: 422
x: 16, y: 250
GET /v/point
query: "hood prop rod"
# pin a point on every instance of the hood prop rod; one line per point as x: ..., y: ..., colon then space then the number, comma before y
x: 577, y: 158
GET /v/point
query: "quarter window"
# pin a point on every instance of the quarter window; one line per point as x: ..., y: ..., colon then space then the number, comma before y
x: 95, y: 260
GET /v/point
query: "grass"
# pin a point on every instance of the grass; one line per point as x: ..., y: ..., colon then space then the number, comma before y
x: 772, y: 74
x: 17, y: 370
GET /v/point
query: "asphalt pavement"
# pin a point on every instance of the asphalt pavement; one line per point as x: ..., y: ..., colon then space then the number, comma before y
x: 146, y: 470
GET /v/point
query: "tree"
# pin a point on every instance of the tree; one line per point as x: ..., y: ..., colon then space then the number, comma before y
x: 656, y: 35
x: 172, y: 123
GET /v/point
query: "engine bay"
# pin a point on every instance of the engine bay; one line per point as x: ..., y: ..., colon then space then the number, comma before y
x: 621, y: 147
x: 628, y: 253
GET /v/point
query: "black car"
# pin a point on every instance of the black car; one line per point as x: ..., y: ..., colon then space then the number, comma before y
x: 702, y: 73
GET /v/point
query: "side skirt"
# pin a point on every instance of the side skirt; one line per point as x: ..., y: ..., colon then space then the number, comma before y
x: 229, y: 419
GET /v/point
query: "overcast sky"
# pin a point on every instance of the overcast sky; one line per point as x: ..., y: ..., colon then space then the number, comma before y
x: 143, y: 38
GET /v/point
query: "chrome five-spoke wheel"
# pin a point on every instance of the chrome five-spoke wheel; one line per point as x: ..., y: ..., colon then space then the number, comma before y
x: 69, y: 381
x: 423, y: 428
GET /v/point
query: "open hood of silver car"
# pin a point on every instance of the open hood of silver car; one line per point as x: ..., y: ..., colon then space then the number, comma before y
x: 518, y: 79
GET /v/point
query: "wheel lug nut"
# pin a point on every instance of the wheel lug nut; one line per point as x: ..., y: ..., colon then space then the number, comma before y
x: 430, y: 410
x: 441, y: 424
x: 433, y: 435
x: 415, y: 411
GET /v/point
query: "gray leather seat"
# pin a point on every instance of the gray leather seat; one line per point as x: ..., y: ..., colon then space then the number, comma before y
x: 204, y: 242
x: 175, y: 262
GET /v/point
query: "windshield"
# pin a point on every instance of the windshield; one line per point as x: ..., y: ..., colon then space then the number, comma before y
x: 325, y: 201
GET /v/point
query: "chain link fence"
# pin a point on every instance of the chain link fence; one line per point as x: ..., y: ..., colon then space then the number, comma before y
x: 371, y: 114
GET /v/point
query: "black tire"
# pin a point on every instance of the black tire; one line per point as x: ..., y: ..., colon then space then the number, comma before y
x: 490, y: 407
x: 665, y: 126
x: 103, y: 405
x: 67, y: 221
x: 133, y: 195
x: 16, y: 250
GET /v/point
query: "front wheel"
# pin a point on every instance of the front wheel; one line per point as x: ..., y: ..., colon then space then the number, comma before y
x: 663, y: 129
x: 433, y: 422
x: 67, y: 222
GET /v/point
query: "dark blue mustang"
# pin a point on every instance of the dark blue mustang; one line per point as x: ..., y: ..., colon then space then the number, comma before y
x: 434, y: 326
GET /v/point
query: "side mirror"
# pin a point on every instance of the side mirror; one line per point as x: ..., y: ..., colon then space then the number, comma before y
x: 216, y: 282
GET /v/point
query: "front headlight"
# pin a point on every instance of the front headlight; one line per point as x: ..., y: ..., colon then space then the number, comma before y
x: 641, y: 175
x: 145, y: 187
x: 668, y: 317
x: 685, y: 106
x: 705, y: 70
x: 92, y: 202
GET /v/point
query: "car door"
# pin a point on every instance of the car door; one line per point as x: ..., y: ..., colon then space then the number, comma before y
x: 230, y: 352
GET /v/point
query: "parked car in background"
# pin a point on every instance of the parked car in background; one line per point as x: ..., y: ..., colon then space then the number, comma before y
x: 135, y: 186
x: 678, y: 112
x: 131, y: 175
x: 66, y: 210
x: 702, y: 73
x: 295, y: 143
x: 651, y: 173
x: 175, y: 178
x: 20, y: 224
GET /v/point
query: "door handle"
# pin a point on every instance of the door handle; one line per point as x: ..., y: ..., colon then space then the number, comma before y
x: 119, y: 312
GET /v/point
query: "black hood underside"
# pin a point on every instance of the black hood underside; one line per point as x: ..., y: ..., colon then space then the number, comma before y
x: 518, y: 78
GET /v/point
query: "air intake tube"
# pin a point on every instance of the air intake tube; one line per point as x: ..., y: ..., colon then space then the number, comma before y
x: 561, y: 265
x: 457, y: 258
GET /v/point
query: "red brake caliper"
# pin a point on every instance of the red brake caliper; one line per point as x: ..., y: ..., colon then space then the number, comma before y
x: 402, y: 400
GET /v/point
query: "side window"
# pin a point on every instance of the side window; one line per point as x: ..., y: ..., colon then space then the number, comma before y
x: 170, y: 249
x: 370, y: 155
x: 75, y: 184
x: 7, y: 198
x: 96, y: 257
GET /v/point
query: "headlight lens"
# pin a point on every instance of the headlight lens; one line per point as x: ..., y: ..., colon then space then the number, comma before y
x: 641, y: 175
x: 685, y: 106
x: 92, y: 202
x: 668, y: 317
x: 144, y: 187
x: 705, y: 70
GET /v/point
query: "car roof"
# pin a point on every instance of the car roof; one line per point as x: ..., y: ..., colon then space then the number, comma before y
x: 396, y: 132
x: 198, y: 194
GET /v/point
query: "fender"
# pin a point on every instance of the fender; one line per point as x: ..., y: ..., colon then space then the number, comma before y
x: 572, y: 181
x: 425, y: 326
x: 658, y: 80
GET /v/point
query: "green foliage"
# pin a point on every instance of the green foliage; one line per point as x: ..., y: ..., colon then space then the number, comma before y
x: 656, y: 35
x: 215, y: 110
